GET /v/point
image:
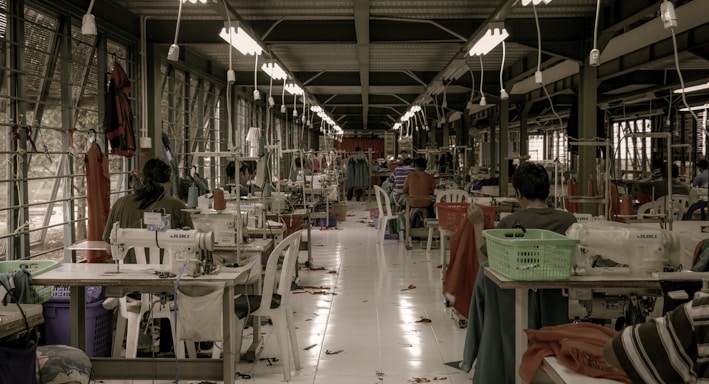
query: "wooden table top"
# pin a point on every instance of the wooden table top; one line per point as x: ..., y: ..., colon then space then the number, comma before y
x: 11, y: 321
x: 137, y: 275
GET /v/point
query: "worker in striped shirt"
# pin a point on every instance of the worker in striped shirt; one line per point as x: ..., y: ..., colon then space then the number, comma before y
x: 398, y: 177
x: 673, y: 348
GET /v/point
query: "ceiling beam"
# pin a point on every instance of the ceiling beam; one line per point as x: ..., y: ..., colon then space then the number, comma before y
x: 361, y: 15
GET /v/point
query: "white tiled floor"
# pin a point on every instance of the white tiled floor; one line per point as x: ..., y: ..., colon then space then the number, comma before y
x: 370, y: 315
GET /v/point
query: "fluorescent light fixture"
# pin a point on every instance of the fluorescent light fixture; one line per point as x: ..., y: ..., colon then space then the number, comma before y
x: 294, y: 89
x: 195, y: 1
x: 495, y: 34
x: 693, y: 88
x: 534, y: 2
x: 396, y: 126
x: 457, y: 68
x: 696, y: 108
x: 275, y: 71
x: 241, y: 41
x: 316, y: 109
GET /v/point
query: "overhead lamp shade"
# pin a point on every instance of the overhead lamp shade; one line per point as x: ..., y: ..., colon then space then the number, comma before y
x: 275, y: 71
x: 88, y: 25
x: 241, y: 40
x: 494, y: 35
x: 534, y: 2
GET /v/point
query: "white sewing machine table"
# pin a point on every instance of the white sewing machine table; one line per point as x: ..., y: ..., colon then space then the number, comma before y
x: 137, y: 278
x: 592, y: 281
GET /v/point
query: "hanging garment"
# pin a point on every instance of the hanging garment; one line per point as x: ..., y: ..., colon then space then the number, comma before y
x: 118, y: 118
x: 357, y: 172
x: 464, y: 262
x: 98, y: 189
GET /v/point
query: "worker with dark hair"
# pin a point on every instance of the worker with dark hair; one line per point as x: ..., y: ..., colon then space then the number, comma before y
x: 419, y: 185
x: 244, y: 177
x: 491, y: 321
x: 702, y: 178
x: 151, y: 196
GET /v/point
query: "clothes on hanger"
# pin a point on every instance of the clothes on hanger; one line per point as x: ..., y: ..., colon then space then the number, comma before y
x: 98, y: 199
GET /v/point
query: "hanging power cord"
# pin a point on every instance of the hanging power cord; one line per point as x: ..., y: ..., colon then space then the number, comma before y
x: 483, y: 101
x: 230, y: 80
x: 257, y: 95
x: 472, y: 90
x: 174, y: 342
x: 594, y: 58
x: 173, y: 54
x: 503, y: 92
x: 538, y: 74
x: 669, y: 20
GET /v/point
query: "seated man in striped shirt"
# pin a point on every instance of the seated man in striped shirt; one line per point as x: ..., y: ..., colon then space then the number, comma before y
x: 398, y: 177
x: 669, y: 349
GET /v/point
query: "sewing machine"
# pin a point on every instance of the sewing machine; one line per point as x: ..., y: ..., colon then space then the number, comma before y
x: 182, y: 244
x: 224, y: 225
x: 617, y: 248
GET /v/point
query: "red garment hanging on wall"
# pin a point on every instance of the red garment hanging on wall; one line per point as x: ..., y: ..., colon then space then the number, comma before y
x: 98, y: 189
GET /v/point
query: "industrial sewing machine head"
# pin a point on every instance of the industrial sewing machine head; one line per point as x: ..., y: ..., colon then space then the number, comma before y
x: 179, y: 245
x: 225, y: 226
x: 610, y: 248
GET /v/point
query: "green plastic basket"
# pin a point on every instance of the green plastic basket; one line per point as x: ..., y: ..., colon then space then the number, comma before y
x: 38, y: 293
x: 536, y: 254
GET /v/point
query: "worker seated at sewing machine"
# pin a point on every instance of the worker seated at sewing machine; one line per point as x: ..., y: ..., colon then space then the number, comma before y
x: 247, y: 186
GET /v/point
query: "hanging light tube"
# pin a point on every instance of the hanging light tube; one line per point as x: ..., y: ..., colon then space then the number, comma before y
x: 495, y: 34
x: 240, y: 40
x: 693, y: 88
x: 294, y: 89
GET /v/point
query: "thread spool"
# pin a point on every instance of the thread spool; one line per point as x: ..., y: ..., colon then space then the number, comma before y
x: 626, y: 205
x: 192, y: 195
x: 219, y: 201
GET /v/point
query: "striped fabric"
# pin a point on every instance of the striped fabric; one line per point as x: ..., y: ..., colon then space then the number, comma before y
x: 670, y: 349
x: 398, y: 177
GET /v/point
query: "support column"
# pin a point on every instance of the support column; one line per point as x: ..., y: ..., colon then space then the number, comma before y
x: 504, y: 145
x: 523, y: 134
x: 492, y: 139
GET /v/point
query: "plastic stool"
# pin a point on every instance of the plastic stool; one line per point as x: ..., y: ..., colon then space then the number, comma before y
x: 60, y: 364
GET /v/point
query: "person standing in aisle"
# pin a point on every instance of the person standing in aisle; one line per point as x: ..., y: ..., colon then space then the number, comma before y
x: 491, y: 321
x: 153, y: 195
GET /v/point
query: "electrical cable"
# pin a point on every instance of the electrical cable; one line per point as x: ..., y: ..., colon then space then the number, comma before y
x: 681, y: 81
x: 594, y: 58
x: 229, y: 84
x: 177, y: 284
x: 483, y: 102
x: 472, y: 88
x: 503, y: 92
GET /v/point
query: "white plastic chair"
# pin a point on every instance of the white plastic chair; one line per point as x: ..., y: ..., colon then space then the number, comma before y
x: 449, y: 196
x: 385, y: 212
x: 131, y: 311
x: 655, y: 209
x: 274, y: 301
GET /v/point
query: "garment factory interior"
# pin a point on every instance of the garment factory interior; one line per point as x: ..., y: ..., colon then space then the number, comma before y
x: 318, y: 103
